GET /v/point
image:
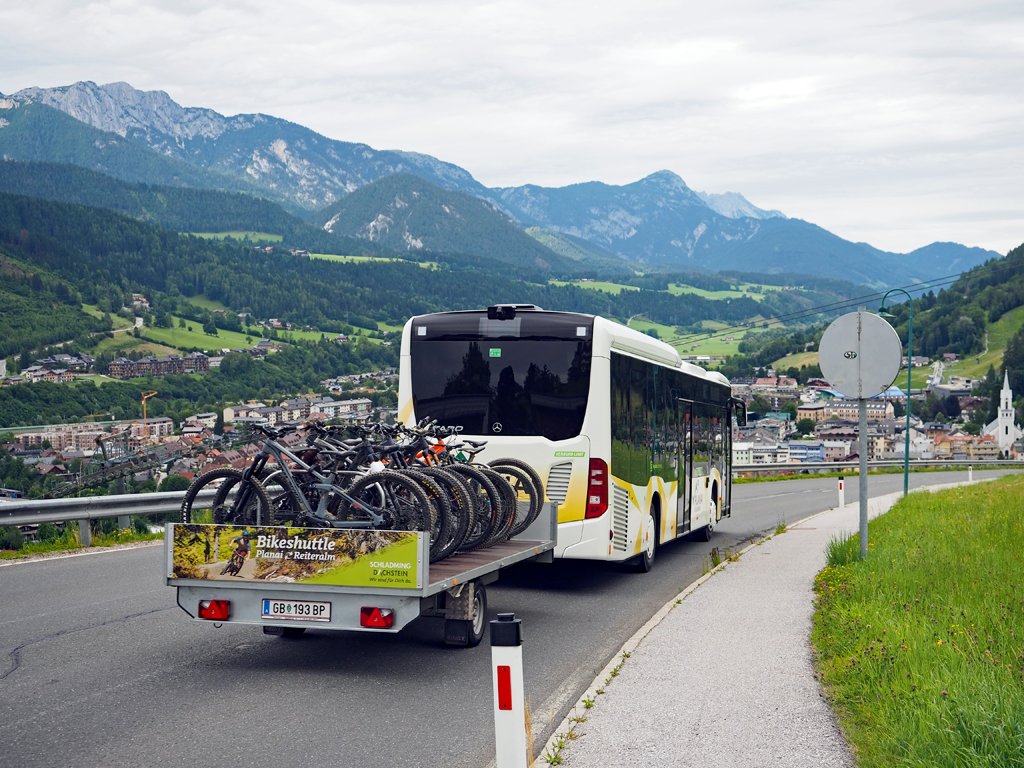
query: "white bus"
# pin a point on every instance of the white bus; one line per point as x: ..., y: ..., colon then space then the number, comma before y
x: 633, y: 443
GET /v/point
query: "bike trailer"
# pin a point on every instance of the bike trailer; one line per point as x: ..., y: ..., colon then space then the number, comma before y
x: 293, y: 579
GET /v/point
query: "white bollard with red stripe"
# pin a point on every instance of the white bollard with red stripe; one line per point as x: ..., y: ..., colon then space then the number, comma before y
x: 842, y: 493
x: 511, y: 740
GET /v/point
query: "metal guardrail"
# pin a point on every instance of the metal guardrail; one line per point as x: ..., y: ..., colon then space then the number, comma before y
x: 798, y: 466
x: 36, y: 511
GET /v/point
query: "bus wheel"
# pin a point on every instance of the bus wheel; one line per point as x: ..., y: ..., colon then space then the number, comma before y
x: 704, y: 534
x: 643, y: 562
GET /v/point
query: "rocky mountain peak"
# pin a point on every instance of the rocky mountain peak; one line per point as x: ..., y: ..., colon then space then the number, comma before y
x: 119, y: 108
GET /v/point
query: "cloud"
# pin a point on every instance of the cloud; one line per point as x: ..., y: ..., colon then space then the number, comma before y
x: 896, y: 125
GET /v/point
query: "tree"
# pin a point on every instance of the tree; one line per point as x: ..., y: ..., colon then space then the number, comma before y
x: 805, y: 426
x: 210, y: 327
x: 174, y: 483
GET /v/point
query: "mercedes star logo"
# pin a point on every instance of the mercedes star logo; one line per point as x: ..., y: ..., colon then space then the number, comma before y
x: 496, y: 427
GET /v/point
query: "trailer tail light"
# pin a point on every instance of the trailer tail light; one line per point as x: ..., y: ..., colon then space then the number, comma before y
x: 215, y: 610
x: 597, y: 489
x: 372, y: 617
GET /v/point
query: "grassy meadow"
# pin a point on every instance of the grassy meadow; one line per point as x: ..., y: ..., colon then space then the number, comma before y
x: 261, y: 237
x: 921, y: 646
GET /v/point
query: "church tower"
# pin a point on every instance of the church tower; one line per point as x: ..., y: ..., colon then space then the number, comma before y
x: 1006, y: 432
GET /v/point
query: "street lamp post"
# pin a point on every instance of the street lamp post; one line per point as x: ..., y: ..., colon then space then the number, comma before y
x: 910, y: 344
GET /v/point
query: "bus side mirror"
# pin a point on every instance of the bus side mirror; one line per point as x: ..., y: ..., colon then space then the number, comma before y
x: 739, y: 411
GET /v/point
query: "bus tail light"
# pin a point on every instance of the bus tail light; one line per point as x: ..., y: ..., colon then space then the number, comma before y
x: 215, y: 610
x: 597, y: 489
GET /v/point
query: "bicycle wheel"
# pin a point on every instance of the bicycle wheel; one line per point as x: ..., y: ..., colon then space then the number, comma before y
x: 400, y: 499
x: 507, y: 496
x: 527, y: 501
x: 486, y: 505
x: 525, y: 467
x: 440, y: 510
x: 460, y: 507
x: 236, y: 500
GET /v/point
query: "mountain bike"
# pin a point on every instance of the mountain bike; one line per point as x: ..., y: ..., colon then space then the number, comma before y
x: 383, y: 500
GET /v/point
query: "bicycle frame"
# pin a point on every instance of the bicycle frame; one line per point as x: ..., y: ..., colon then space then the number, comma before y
x: 323, y: 484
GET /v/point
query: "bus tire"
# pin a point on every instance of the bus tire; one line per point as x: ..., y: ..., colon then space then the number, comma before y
x: 643, y: 562
x: 704, y: 534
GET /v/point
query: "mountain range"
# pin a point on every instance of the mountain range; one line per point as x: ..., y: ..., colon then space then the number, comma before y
x: 409, y: 202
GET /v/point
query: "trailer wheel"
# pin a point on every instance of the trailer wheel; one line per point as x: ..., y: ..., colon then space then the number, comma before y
x: 468, y: 633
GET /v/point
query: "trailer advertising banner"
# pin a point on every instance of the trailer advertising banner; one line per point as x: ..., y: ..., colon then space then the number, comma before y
x: 343, y: 558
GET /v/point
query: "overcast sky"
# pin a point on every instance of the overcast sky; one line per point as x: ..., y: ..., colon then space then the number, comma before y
x: 897, y: 124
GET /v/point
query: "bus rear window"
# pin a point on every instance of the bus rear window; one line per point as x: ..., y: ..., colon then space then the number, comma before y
x: 521, y: 383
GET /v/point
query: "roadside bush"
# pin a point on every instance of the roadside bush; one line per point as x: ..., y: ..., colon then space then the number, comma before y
x: 11, y: 537
x: 49, y: 532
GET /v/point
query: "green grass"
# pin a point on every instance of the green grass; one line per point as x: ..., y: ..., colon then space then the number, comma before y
x: 117, y: 320
x: 266, y: 237
x: 203, y: 302
x: 597, y: 285
x: 68, y: 542
x: 796, y: 360
x: 719, y: 346
x: 921, y: 645
x: 740, y: 291
x: 353, y: 259
x: 126, y: 342
x: 999, y: 334
x: 183, y: 338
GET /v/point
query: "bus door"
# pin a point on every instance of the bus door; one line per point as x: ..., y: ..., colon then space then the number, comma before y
x: 684, y: 445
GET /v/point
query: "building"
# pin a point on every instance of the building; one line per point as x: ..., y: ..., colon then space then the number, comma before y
x: 193, y: 362
x: 1004, y: 430
x: 357, y: 408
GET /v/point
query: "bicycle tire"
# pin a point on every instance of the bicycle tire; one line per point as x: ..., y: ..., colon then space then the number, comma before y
x: 440, y: 511
x: 527, y: 502
x: 486, y: 505
x: 402, y: 501
x: 460, y: 507
x: 525, y: 467
x: 224, y: 508
x: 507, y: 496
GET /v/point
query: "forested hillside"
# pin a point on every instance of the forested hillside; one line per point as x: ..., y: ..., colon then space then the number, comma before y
x: 39, y: 309
x: 182, y: 209
x: 954, y: 320
x: 105, y: 255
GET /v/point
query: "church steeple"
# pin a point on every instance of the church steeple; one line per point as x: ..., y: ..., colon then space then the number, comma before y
x: 1006, y: 430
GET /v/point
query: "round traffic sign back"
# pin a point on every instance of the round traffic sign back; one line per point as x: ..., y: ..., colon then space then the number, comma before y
x: 860, y: 354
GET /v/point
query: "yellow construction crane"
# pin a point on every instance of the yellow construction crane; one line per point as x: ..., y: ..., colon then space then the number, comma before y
x: 145, y: 397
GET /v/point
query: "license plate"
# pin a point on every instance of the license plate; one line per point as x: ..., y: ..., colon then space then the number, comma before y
x: 299, y: 610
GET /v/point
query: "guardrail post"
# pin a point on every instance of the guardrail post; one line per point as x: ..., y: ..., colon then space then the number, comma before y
x: 84, y: 533
x: 511, y: 738
x: 124, y: 522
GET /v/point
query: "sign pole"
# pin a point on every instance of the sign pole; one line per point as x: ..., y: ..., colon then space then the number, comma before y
x: 863, y: 413
x: 860, y: 354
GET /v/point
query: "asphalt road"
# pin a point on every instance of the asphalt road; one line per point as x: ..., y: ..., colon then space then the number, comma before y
x: 99, y: 667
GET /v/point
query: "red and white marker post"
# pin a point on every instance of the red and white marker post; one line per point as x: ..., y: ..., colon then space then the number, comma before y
x: 511, y: 740
x: 842, y: 493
